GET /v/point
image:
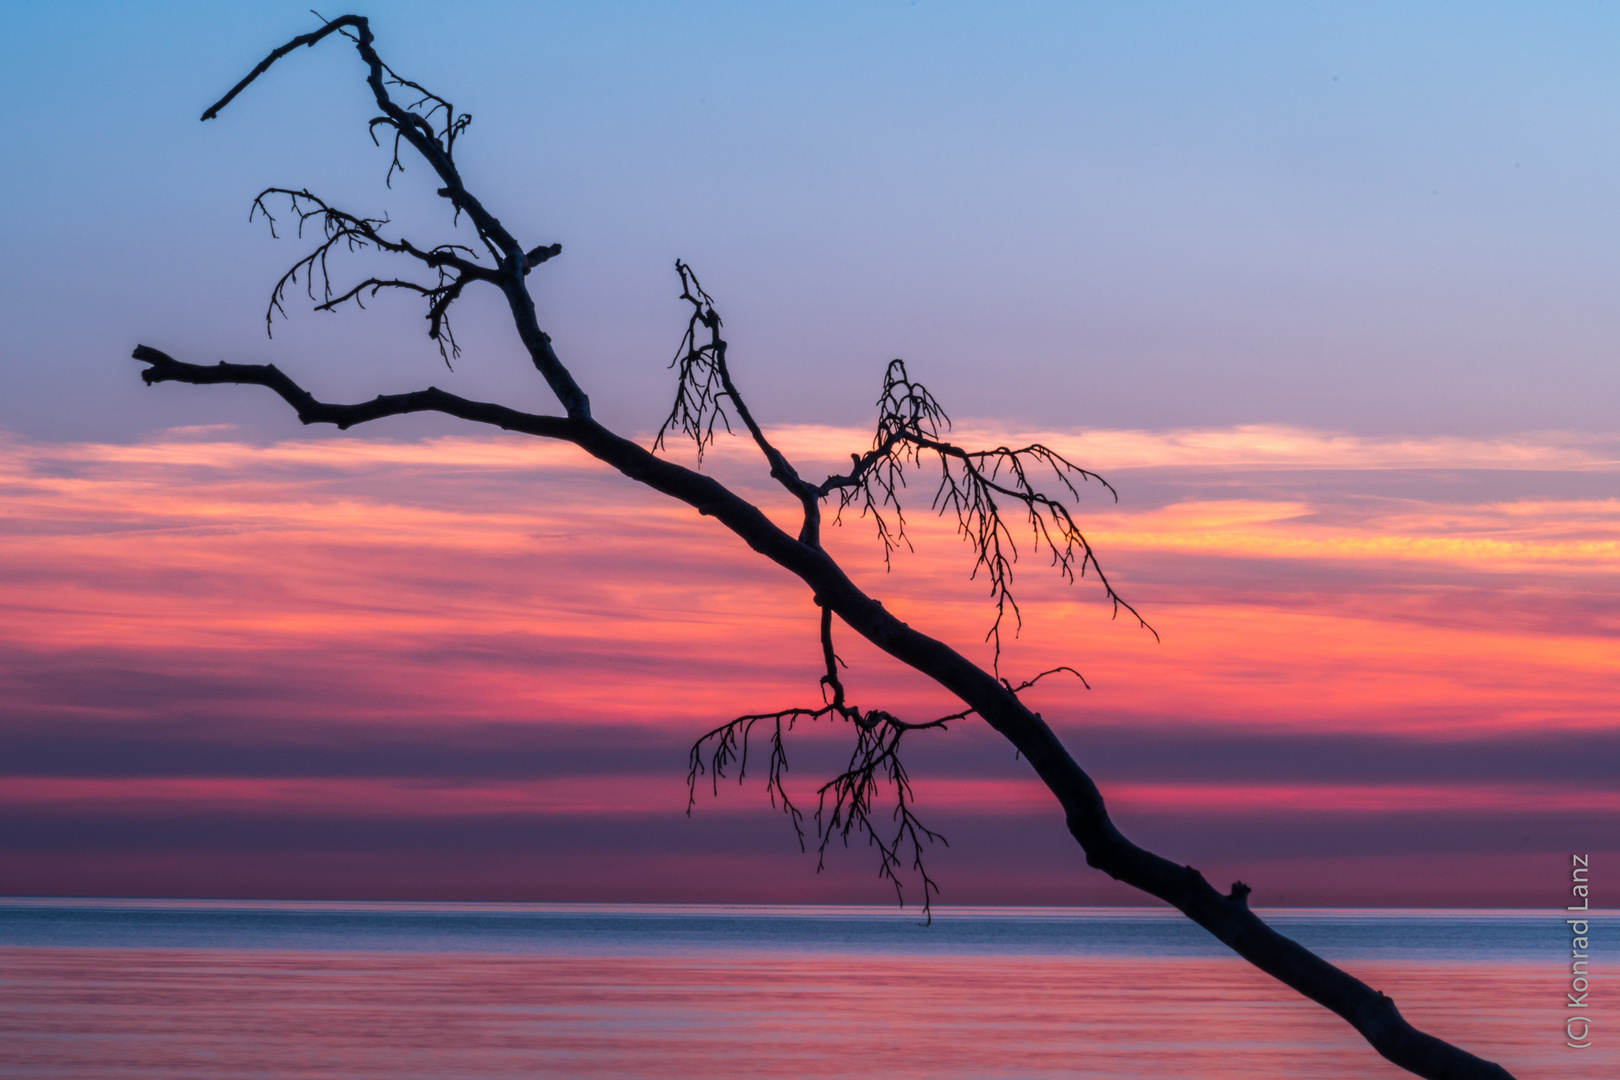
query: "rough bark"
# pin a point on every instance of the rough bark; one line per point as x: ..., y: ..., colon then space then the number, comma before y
x: 1226, y: 916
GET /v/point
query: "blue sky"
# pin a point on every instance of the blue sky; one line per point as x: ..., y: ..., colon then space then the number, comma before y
x: 1373, y: 218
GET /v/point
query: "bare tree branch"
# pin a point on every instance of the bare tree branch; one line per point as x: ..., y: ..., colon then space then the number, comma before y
x: 164, y: 368
x: 310, y: 39
x: 702, y: 386
x: 974, y: 485
x: 1027, y: 683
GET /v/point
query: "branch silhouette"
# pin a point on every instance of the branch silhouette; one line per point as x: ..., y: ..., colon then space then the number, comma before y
x: 977, y: 488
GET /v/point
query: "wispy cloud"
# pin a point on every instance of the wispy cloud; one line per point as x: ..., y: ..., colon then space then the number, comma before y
x: 1255, y: 446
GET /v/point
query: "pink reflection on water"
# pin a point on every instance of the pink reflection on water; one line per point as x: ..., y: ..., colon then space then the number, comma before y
x: 97, y: 1013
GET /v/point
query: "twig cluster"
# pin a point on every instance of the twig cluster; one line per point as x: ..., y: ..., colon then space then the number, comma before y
x: 848, y: 803
x: 701, y: 375
x: 973, y: 487
x: 456, y: 264
x: 454, y: 123
x: 703, y: 388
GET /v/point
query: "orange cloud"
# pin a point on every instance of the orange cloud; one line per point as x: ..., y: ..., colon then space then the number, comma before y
x: 444, y: 563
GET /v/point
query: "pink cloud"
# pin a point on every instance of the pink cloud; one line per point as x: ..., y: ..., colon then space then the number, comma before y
x: 352, y: 585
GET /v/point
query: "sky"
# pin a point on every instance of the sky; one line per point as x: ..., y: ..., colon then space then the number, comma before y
x: 1327, y: 293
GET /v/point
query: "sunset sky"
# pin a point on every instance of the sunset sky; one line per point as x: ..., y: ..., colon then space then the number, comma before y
x: 1330, y: 295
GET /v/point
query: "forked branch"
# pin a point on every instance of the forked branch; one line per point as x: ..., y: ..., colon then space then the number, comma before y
x: 851, y: 803
x: 703, y: 386
x: 436, y: 145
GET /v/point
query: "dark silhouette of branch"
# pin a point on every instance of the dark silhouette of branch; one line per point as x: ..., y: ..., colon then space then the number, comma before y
x: 435, y: 146
x: 974, y: 486
x: 701, y: 377
x: 731, y: 743
x: 1027, y: 683
x: 844, y: 804
x: 703, y: 385
x: 456, y: 264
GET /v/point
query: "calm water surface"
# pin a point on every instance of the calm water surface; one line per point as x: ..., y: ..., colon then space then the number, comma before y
x: 169, y: 989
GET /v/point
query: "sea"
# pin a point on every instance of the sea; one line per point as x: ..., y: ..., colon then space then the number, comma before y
x: 166, y: 989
